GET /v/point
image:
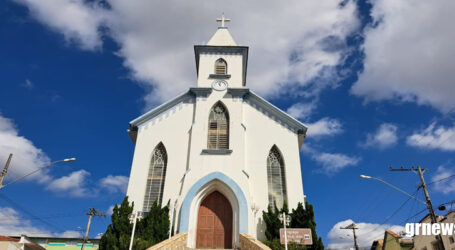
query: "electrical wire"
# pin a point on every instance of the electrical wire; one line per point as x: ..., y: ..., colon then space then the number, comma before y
x: 442, y: 179
x: 19, y: 207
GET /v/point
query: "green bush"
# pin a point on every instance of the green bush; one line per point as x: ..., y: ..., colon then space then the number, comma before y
x: 150, y: 230
x: 300, y: 218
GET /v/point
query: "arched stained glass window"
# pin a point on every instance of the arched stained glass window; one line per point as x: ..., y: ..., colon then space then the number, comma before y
x: 276, y: 178
x: 220, y: 67
x: 156, y: 177
x: 218, y: 131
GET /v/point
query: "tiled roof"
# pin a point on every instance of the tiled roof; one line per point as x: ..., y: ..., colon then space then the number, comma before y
x: 393, y: 234
x: 5, y: 238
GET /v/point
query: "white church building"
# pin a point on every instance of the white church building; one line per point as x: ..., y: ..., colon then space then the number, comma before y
x: 219, y: 153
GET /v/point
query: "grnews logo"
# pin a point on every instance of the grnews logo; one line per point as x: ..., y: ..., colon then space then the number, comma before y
x: 429, y: 229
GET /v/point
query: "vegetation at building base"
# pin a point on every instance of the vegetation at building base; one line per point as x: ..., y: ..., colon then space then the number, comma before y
x: 300, y: 218
x: 150, y: 230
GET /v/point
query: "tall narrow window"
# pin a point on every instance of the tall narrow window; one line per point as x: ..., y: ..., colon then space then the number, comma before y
x: 218, y: 136
x: 276, y: 178
x: 156, y: 177
x: 220, y: 67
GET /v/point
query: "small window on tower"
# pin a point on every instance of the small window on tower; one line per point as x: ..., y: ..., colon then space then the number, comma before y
x: 220, y: 67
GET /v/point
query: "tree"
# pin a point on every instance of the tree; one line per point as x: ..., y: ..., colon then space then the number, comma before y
x: 272, y: 223
x: 304, y: 218
x: 117, y: 235
x: 300, y: 218
x: 154, y: 227
x: 150, y: 230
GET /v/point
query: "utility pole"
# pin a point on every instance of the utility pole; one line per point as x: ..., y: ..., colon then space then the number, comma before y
x: 420, y: 171
x: 353, y: 228
x: 93, y: 212
x: 5, y: 169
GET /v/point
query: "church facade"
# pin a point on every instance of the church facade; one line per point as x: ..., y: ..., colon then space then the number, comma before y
x: 218, y: 153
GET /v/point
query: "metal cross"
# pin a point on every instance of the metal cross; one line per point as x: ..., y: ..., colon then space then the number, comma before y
x: 223, y: 20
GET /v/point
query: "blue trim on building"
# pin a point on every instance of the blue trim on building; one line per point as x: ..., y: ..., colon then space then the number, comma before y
x: 243, y: 205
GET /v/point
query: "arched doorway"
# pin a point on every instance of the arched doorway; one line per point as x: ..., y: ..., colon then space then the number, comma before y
x: 214, y: 224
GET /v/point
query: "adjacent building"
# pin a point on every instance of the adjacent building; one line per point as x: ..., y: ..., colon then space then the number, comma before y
x: 430, y: 242
x: 392, y: 241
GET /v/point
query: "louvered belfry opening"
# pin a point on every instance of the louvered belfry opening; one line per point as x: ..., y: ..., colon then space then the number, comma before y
x: 218, y: 132
x: 276, y: 178
x: 156, y: 177
x: 220, y: 67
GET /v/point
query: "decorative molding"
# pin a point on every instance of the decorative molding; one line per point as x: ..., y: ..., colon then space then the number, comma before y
x: 238, y: 92
x: 195, y: 189
x: 216, y: 151
x: 219, y: 76
x: 160, y: 109
x: 201, y: 91
x: 270, y: 110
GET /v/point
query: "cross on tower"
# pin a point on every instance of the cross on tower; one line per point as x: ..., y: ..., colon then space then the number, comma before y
x: 223, y: 20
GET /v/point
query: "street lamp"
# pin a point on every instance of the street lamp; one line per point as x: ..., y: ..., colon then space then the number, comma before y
x: 285, y: 219
x: 392, y: 186
x: 133, y: 217
x: 39, y: 169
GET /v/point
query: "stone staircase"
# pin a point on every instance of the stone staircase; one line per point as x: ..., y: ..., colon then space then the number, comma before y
x: 178, y: 242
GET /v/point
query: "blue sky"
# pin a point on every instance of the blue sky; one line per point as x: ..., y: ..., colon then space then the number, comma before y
x: 373, y: 82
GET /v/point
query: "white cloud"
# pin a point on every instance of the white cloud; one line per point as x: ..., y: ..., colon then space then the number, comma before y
x: 331, y: 163
x: 77, y: 20
x: 334, y: 162
x: 324, y: 127
x: 409, y: 53
x: 74, y: 184
x: 385, y: 136
x: 26, y: 156
x: 291, y: 44
x: 28, y: 84
x: 110, y: 210
x: 301, y: 110
x: 447, y: 185
x: 14, y: 225
x: 115, y: 183
x: 434, y: 137
x: 366, y: 234
x: 70, y: 234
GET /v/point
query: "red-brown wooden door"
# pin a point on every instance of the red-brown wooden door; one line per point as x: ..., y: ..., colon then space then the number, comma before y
x: 214, y: 223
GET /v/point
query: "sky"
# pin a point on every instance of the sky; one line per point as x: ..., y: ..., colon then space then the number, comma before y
x: 372, y: 80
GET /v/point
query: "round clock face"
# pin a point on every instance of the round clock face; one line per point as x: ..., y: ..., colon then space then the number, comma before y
x: 219, y: 85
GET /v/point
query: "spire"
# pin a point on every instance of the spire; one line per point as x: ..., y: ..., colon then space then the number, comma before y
x: 222, y: 37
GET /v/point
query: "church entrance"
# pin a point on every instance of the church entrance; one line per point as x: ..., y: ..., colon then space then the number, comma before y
x: 214, y: 223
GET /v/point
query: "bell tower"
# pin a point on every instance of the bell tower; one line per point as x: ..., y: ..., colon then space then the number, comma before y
x: 221, y: 63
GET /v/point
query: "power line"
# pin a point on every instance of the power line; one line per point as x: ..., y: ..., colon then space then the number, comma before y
x: 390, y: 216
x: 19, y: 207
x: 442, y: 179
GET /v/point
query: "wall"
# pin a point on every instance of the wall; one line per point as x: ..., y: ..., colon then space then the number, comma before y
x: 248, y: 242
x: 207, y: 67
x: 177, y: 242
x: 252, y: 134
x: 426, y: 241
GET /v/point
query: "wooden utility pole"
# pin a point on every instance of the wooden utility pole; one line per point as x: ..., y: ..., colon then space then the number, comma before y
x: 93, y: 212
x: 5, y: 169
x: 427, y: 197
x: 353, y: 228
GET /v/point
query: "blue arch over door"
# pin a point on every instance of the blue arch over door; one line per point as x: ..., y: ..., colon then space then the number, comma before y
x: 243, y: 206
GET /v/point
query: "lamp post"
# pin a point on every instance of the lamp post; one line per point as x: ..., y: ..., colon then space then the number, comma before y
x: 392, y: 186
x: 427, y: 197
x: 285, y: 219
x: 134, y: 217
x: 39, y: 169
